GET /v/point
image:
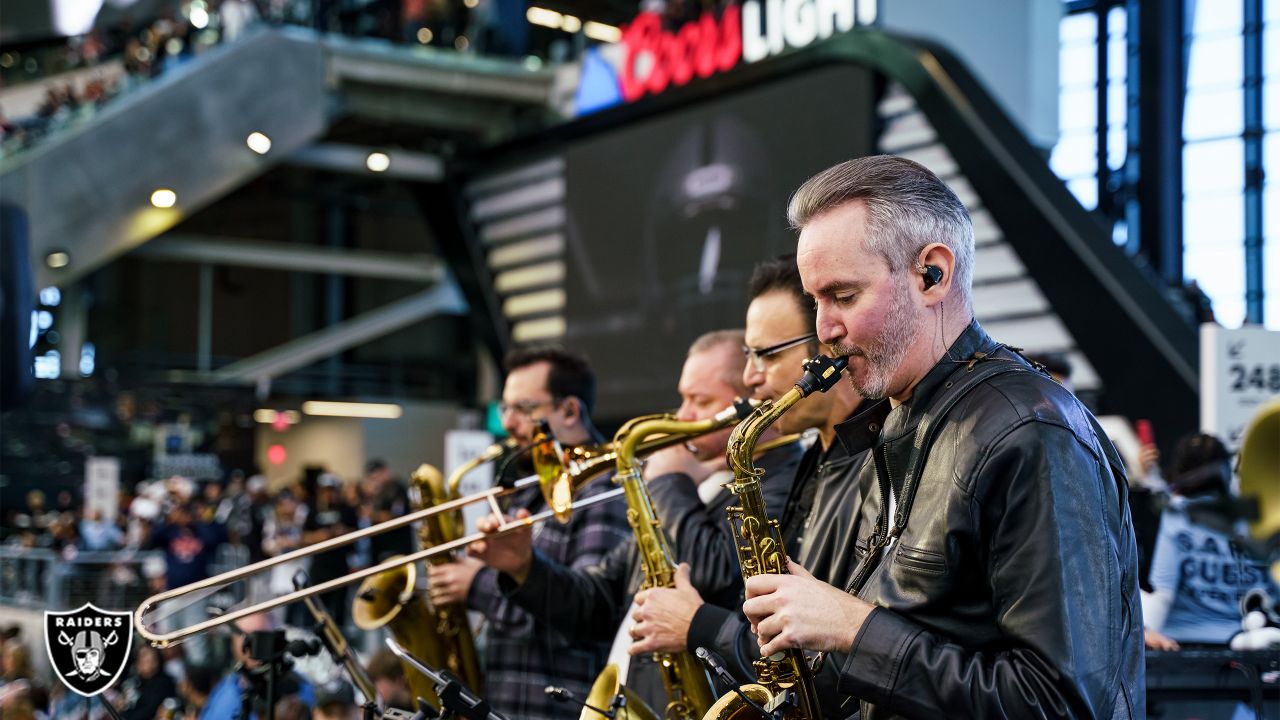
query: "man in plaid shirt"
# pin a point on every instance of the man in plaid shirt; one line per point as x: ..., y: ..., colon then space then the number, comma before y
x: 523, y: 654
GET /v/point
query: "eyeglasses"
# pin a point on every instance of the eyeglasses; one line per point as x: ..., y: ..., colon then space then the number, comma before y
x: 525, y: 408
x: 756, y: 357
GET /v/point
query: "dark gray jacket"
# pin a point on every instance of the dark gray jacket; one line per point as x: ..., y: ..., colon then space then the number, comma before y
x: 1011, y: 590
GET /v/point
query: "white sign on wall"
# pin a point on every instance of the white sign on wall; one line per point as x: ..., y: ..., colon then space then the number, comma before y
x: 461, y: 446
x: 1239, y: 371
x: 102, y: 486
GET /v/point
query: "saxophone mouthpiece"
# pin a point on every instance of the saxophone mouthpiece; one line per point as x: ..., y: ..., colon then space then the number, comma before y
x: 821, y: 374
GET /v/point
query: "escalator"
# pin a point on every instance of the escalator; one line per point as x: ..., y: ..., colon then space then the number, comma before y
x: 87, y: 191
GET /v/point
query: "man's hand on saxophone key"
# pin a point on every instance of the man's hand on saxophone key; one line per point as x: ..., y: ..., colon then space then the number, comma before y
x: 663, y: 616
x: 798, y: 611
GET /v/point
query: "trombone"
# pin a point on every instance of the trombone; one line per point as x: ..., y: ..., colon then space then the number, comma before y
x: 560, y: 473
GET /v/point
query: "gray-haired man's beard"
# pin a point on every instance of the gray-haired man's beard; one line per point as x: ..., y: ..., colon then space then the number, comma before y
x: 884, y: 354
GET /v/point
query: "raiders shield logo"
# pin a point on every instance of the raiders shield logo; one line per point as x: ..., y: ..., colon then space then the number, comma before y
x: 88, y: 647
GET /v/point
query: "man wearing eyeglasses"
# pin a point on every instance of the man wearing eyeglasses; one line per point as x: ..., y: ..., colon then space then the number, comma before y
x: 821, y: 512
x: 524, y: 654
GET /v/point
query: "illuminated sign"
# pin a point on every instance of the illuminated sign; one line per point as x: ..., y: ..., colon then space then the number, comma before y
x: 649, y: 58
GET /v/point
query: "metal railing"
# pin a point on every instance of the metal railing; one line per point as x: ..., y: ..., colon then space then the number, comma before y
x: 47, y: 579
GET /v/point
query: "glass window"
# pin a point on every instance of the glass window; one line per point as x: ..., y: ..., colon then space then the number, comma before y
x: 1075, y: 155
x: 1085, y: 190
x: 1271, y: 101
x: 1117, y: 22
x: 1117, y: 104
x: 1210, y: 220
x: 1214, y: 165
x: 1117, y: 58
x: 1117, y: 147
x: 1211, y: 114
x: 1077, y: 66
x: 1222, y: 16
x: 1077, y: 110
x: 1271, y: 261
x: 1077, y: 29
x: 1219, y: 269
x: 1271, y: 49
x: 1216, y: 61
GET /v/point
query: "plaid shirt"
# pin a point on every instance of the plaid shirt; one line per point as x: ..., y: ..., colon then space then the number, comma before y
x: 522, y: 654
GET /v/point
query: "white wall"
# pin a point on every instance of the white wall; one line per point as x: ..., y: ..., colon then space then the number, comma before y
x: 342, y: 445
x: 1011, y: 45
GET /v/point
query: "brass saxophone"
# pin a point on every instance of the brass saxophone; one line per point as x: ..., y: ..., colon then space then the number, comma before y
x: 688, y: 686
x: 784, y: 684
x: 439, y: 636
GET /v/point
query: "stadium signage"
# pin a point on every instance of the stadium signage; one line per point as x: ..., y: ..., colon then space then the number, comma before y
x: 654, y: 59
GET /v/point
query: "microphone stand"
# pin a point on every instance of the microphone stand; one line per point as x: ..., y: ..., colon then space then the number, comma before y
x: 455, y: 699
x: 327, y: 630
x: 716, y: 664
x: 565, y: 695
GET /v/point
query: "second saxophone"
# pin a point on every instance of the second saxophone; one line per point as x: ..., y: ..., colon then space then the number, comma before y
x: 784, y: 684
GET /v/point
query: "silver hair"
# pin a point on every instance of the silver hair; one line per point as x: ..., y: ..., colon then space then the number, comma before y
x: 908, y: 207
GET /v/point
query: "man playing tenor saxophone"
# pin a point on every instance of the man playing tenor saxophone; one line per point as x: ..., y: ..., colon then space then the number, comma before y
x: 997, y: 573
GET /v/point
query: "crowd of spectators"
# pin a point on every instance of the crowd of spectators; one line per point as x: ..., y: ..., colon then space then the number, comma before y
x: 1196, y: 564
x: 128, y: 52
x: 193, y: 530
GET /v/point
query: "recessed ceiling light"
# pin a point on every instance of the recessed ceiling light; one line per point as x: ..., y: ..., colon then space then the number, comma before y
x: 58, y: 259
x: 258, y: 143
x: 164, y: 198
x: 377, y: 162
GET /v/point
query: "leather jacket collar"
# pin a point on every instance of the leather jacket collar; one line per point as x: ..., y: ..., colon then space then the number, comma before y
x: 878, y: 423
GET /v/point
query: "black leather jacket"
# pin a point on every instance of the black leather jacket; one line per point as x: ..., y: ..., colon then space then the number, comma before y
x: 590, y: 605
x: 1012, y: 590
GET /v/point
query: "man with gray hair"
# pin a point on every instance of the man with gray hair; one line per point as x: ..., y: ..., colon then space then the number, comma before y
x: 997, y: 572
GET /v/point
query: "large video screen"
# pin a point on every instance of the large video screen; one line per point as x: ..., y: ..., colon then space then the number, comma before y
x: 667, y: 217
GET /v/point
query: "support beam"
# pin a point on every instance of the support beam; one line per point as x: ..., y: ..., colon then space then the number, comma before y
x: 444, y: 298
x: 293, y: 257
x: 343, y: 158
x: 1162, y: 83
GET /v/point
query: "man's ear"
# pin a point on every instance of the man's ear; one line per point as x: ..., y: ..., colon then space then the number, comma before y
x: 572, y: 409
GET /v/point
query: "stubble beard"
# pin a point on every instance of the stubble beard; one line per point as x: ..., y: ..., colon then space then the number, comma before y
x: 884, y: 354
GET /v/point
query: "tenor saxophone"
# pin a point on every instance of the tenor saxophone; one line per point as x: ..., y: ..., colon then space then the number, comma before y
x: 784, y: 683
x: 687, y: 684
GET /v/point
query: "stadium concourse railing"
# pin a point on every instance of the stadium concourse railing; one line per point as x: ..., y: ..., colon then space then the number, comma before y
x: 44, y: 579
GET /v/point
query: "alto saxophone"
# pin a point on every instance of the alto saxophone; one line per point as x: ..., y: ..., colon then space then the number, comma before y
x: 440, y: 636
x: 687, y: 684
x: 784, y: 683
